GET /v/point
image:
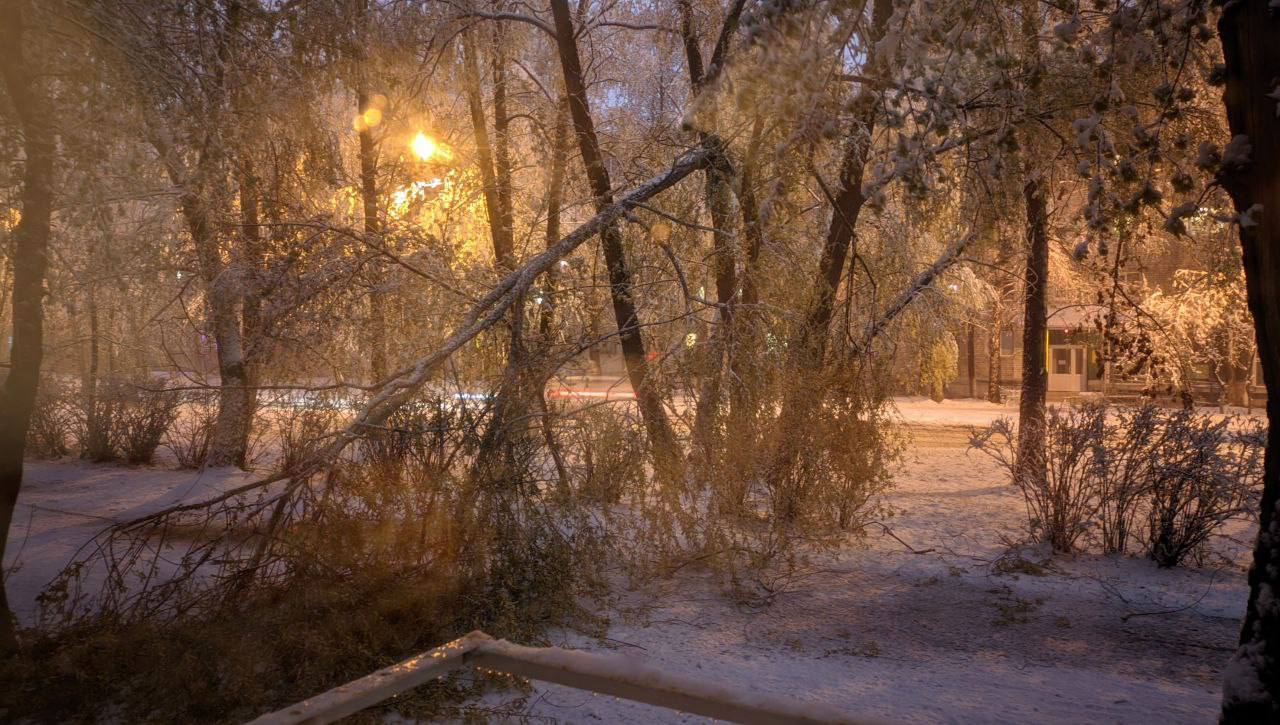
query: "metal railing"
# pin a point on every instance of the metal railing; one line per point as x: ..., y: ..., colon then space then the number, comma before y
x: 606, y: 674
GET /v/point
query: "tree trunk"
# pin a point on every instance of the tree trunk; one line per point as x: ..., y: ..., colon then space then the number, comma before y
x: 223, y: 281
x: 251, y: 317
x: 1248, y: 31
x: 367, y: 153
x: 228, y: 446
x: 500, y: 226
x: 718, y: 196
x: 547, y: 311
x: 555, y: 199
x: 520, y: 388
x: 228, y: 443
x: 661, y: 436
x: 1237, y: 375
x: 97, y: 444
x: 30, y: 240
x: 809, y: 347
x: 1030, y: 460
x: 994, y: 373
x: 846, y: 206
x: 1035, y: 328
x: 506, y: 254
x: 752, y: 226
x: 372, y: 230
x: 972, y: 343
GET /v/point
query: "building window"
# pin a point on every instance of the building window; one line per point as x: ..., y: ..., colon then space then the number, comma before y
x: 1006, y: 342
x: 1132, y: 279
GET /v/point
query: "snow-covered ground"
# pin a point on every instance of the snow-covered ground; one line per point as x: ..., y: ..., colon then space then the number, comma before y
x: 916, y: 411
x: 941, y: 636
x: 880, y: 631
x: 64, y: 504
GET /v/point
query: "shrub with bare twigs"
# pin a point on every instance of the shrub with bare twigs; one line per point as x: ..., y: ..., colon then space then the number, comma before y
x: 145, y: 417
x: 51, y: 422
x: 1062, y: 507
x: 1168, y: 478
x: 1204, y: 473
x: 188, y: 437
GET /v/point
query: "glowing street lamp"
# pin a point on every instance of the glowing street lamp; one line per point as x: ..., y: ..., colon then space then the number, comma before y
x: 423, y: 147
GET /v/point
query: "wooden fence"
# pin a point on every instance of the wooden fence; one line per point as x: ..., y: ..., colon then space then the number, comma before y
x: 606, y: 674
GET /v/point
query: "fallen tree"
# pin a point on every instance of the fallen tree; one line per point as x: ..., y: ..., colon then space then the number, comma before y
x: 387, y: 397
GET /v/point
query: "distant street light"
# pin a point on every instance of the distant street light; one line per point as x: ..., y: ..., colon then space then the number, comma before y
x: 423, y: 147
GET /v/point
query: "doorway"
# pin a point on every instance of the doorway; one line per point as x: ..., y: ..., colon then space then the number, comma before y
x: 1067, y: 368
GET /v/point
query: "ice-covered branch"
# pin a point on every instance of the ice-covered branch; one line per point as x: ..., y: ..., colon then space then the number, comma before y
x: 918, y: 285
x: 488, y: 310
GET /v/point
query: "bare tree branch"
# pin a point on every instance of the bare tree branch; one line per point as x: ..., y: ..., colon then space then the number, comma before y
x: 397, y: 389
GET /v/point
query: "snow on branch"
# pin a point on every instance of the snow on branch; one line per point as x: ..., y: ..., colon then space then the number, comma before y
x: 917, y: 286
x: 488, y: 310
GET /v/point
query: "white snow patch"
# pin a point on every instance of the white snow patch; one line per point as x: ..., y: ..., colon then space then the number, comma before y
x: 64, y: 504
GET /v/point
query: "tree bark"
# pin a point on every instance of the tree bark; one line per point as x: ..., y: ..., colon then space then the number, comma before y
x: 30, y: 240
x: 1030, y: 468
x: 971, y: 343
x: 372, y: 230
x: 1030, y: 460
x: 661, y: 436
x: 718, y: 196
x: 846, y: 207
x: 994, y: 394
x: 1248, y: 31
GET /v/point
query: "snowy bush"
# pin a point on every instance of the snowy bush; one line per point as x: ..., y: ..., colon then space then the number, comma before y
x: 1169, y: 478
x: 143, y: 421
x: 114, y: 419
x: 785, y: 488
x: 1203, y: 473
x: 1124, y: 455
x: 939, y: 365
x: 97, y: 422
x: 417, y: 434
x: 51, y: 422
x: 608, y: 456
x: 188, y: 436
x: 304, y: 429
x: 1061, y: 508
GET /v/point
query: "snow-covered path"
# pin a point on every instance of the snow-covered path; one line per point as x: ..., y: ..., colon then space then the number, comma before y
x: 941, y: 636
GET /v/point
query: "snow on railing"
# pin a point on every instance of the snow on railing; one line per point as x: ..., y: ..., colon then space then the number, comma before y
x: 606, y: 674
